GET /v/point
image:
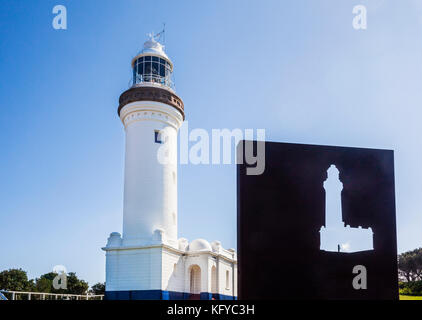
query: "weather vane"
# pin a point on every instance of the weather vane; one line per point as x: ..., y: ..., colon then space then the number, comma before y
x: 158, y: 36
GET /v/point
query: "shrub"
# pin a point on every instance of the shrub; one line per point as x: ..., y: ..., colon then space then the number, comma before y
x: 411, y: 288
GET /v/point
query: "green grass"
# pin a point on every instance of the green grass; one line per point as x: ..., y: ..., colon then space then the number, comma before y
x: 410, y: 298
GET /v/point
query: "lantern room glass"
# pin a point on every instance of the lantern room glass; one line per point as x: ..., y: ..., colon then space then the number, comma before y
x: 152, y: 69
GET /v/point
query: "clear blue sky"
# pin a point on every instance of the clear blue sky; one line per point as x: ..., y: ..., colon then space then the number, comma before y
x: 296, y: 68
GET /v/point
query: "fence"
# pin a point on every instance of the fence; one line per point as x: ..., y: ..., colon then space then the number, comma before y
x: 24, y: 295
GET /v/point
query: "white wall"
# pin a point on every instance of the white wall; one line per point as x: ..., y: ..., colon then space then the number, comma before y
x: 173, y: 279
x: 200, y: 260
x: 206, y: 261
x: 137, y: 269
x: 223, y: 267
x: 150, y: 187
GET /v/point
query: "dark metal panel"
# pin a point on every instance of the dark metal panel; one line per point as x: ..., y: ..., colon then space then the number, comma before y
x: 281, y: 212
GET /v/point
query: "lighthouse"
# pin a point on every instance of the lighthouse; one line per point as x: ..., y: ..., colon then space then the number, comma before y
x: 148, y: 260
x: 152, y: 114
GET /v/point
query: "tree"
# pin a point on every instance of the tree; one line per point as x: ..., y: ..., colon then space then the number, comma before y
x: 410, y: 265
x: 75, y: 285
x: 45, y: 283
x: 98, y: 288
x: 15, y: 280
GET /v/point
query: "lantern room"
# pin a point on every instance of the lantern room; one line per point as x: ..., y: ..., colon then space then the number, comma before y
x: 152, y: 66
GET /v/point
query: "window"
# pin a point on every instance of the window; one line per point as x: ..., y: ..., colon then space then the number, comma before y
x: 214, y: 279
x: 195, y: 279
x: 227, y: 279
x: 140, y: 68
x: 158, y: 136
x: 154, y: 68
x: 147, y: 68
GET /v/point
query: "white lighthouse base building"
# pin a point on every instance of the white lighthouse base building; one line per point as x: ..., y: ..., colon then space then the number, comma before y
x: 198, y: 270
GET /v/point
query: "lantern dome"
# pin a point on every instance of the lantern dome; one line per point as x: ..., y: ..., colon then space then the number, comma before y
x: 154, y: 47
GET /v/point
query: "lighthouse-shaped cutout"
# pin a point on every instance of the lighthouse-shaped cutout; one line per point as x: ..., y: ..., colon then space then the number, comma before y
x: 335, y: 235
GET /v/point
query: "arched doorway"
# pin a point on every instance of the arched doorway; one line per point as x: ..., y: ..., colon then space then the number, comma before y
x: 214, y: 279
x: 195, y: 280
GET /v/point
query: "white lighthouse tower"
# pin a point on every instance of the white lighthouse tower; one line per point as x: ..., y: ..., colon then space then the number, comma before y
x: 148, y: 261
x: 151, y: 112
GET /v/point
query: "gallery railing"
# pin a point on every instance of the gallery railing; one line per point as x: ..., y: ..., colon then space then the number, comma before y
x: 152, y: 79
